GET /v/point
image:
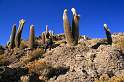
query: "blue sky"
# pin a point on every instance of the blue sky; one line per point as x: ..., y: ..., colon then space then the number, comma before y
x: 94, y: 13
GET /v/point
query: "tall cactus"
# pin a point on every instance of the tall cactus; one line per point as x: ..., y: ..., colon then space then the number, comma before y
x: 108, y: 34
x: 51, y: 32
x: 47, y: 34
x: 67, y: 29
x: 12, y: 37
x: 47, y: 30
x: 19, y: 32
x: 43, y: 38
x: 75, y: 26
x: 31, y: 37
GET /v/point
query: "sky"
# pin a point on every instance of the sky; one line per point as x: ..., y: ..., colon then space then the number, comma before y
x: 93, y: 14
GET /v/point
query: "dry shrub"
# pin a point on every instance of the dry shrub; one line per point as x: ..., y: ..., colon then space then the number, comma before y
x: 119, y: 43
x: 23, y: 44
x: 1, y: 56
x: 60, y: 42
x: 31, y: 56
x: 82, y: 44
x: 44, y: 70
x: 118, y: 39
x: 37, y: 66
x: 38, y: 53
x: 94, y: 41
x: 40, y: 68
x: 105, y: 78
x: 117, y: 79
x: 2, y: 59
x: 1, y: 52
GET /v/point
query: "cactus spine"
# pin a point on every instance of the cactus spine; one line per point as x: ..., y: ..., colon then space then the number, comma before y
x: 67, y: 29
x: 12, y: 37
x: 108, y: 34
x: 43, y: 38
x: 75, y: 26
x: 31, y: 37
x: 19, y: 32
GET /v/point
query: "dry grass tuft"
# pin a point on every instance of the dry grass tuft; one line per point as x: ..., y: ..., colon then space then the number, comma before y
x: 117, y: 79
x: 2, y: 59
x: 38, y: 53
x: 37, y: 66
x: 105, y: 78
x: 119, y: 43
x: 23, y: 44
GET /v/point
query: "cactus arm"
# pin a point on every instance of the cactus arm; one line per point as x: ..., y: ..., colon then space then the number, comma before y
x: 12, y: 37
x: 75, y: 26
x: 67, y: 29
x: 19, y: 32
x: 108, y: 34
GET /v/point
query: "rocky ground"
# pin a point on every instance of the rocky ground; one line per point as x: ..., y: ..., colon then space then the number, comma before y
x: 93, y: 60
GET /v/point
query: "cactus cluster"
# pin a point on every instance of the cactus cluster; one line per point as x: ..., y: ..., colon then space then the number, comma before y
x: 46, y: 35
x: 71, y: 32
x: 15, y: 37
x: 71, y: 35
x: 108, y: 34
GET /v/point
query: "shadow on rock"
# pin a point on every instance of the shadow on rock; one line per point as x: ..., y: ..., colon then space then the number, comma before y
x: 55, y: 72
x: 98, y: 44
x: 11, y: 74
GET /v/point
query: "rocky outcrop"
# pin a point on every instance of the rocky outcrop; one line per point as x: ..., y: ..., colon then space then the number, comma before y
x: 86, y: 64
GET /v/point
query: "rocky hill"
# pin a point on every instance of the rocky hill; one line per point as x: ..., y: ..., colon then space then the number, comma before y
x: 92, y: 60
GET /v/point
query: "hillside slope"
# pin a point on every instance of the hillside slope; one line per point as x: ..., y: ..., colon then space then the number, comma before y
x: 92, y: 60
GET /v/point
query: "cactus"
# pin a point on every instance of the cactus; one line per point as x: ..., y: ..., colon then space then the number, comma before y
x: 75, y: 26
x: 108, y: 34
x: 67, y: 29
x: 12, y: 37
x: 19, y: 32
x: 51, y: 32
x: 47, y: 29
x: 31, y: 37
x: 43, y: 38
x: 47, y: 34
